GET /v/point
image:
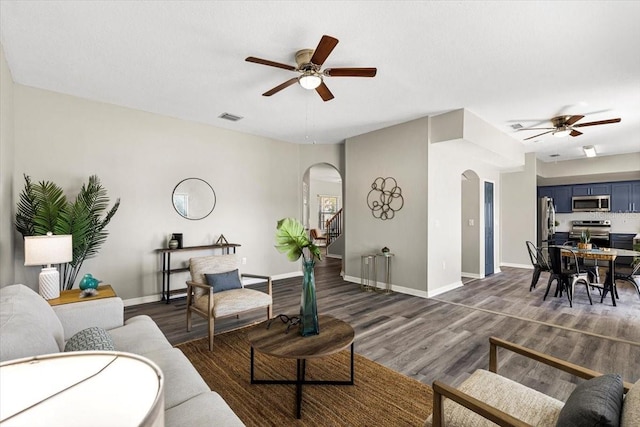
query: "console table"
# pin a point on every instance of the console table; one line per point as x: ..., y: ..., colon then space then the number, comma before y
x: 167, y: 271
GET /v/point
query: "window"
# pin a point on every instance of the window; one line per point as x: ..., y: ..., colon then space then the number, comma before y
x: 327, y: 208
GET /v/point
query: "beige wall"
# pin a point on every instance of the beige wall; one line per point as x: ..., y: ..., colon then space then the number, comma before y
x: 400, y: 152
x: 140, y: 157
x: 6, y: 173
x: 519, y: 211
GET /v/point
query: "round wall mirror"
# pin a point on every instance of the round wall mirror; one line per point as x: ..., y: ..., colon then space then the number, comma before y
x: 193, y: 198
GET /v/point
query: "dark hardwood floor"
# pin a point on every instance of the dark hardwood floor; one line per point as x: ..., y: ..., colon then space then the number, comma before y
x: 446, y: 337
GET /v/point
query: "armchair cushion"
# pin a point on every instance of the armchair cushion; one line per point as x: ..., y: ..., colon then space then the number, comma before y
x: 631, y: 407
x: 224, y: 281
x: 210, y: 265
x: 233, y: 301
x: 597, y: 401
x: 515, y: 399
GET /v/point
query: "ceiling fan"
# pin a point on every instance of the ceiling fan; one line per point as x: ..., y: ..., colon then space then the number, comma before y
x: 309, y: 63
x: 565, y: 125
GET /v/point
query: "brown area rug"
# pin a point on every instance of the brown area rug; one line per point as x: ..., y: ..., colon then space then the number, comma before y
x: 380, y: 396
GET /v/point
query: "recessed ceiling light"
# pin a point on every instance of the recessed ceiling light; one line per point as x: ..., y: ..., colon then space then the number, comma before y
x: 230, y: 117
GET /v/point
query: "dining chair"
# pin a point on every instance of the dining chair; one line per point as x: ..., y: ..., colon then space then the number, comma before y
x: 539, y: 261
x: 629, y: 274
x: 567, y: 277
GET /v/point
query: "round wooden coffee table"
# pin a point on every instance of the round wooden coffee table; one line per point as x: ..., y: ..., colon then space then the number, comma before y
x: 335, y: 336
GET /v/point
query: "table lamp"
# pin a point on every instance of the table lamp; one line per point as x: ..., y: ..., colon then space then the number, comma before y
x: 47, y: 250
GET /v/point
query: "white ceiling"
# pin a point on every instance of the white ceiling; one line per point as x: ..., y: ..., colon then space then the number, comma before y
x: 507, y: 62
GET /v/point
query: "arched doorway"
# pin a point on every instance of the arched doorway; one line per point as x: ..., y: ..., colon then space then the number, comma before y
x: 471, y: 264
x: 322, y: 200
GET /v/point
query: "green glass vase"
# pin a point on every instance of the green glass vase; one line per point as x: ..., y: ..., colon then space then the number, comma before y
x: 308, y: 304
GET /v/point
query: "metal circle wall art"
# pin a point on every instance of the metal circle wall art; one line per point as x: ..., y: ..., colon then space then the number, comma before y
x: 385, y: 198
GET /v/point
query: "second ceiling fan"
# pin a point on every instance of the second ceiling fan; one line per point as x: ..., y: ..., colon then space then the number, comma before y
x: 565, y: 125
x: 309, y: 63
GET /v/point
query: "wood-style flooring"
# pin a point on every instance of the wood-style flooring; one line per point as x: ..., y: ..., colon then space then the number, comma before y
x: 446, y: 337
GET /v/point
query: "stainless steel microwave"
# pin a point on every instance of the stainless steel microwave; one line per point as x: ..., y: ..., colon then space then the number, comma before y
x: 591, y: 203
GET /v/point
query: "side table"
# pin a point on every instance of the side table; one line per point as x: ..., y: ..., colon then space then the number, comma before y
x: 73, y: 295
x: 368, y: 272
x: 387, y: 272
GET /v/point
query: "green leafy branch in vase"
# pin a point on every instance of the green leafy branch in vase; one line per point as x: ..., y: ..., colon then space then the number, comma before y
x: 292, y: 240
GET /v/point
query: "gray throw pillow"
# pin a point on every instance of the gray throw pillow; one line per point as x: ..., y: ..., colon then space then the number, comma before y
x: 596, y: 402
x: 224, y: 281
x: 93, y: 338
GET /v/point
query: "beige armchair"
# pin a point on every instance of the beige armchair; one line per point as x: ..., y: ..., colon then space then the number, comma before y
x: 486, y: 398
x: 203, y: 301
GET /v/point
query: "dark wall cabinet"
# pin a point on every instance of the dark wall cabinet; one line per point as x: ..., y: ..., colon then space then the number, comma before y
x: 560, y: 237
x: 625, y: 195
x: 561, y: 195
x: 591, y: 189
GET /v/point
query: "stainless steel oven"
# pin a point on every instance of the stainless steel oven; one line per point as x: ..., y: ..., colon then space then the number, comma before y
x: 591, y: 203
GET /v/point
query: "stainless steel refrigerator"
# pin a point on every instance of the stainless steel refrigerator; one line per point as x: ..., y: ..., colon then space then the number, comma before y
x: 546, y: 221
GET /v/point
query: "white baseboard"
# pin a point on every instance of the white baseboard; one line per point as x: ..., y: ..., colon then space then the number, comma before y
x: 509, y: 264
x: 334, y: 256
x: 394, y: 288
x: 443, y: 289
x: 472, y: 275
x: 287, y: 275
x: 142, y: 300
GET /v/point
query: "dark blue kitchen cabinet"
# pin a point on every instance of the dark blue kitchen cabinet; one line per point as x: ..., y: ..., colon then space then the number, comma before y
x: 561, y: 195
x: 598, y: 189
x: 625, y: 196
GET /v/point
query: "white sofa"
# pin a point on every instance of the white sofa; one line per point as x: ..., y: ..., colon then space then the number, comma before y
x: 29, y: 326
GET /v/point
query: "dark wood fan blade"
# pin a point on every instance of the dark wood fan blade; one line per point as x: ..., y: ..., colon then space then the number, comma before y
x: 280, y: 87
x: 600, y: 122
x: 324, y: 92
x: 350, y: 72
x: 535, y: 136
x: 575, y: 132
x: 324, y: 49
x: 270, y: 63
x: 573, y: 119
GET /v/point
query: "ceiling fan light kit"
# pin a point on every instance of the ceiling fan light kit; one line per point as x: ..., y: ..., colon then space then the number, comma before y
x: 309, y: 63
x: 562, y: 131
x: 309, y: 80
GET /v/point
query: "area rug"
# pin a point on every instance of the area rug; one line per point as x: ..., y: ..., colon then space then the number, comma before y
x: 380, y: 396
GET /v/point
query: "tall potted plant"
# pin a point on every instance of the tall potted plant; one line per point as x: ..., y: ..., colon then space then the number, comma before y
x: 292, y: 240
x: 43, y: 207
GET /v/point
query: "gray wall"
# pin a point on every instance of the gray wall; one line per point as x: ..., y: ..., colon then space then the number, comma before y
x: 519, y: 214
x: 470, y: 232
x: 6, y: 173
x: 400, y: 152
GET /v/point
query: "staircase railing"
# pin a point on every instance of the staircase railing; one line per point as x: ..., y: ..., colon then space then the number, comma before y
x: 333, y: 227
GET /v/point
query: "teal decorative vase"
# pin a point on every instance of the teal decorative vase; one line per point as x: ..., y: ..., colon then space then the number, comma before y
x: 308, y: 304
x: 88, y: 282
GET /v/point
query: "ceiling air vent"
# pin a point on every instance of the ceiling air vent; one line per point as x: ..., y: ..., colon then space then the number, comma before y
x: 554, y: 155
x: 230, y: 117
x: 516, y: 126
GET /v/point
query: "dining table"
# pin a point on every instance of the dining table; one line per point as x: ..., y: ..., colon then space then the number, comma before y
x: 603, y: 254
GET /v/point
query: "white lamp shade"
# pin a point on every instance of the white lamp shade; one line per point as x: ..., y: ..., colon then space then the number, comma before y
x: 47, y: 250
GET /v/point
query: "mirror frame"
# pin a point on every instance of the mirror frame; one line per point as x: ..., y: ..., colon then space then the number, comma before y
x: 212, y: 192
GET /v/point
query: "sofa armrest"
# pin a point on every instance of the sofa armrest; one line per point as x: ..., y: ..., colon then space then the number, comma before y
x: 107, y: 313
